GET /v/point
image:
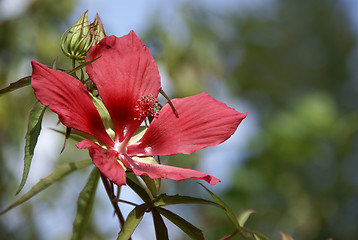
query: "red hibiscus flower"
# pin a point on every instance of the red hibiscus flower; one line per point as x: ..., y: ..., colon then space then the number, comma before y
x: 128, y: 83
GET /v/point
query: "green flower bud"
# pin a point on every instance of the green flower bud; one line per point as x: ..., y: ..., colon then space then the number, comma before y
x: 98, y: 30
x: 77, y: 41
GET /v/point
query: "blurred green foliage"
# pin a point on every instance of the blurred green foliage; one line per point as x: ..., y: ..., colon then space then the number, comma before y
x: 290, y: 61
x: 34, y: 33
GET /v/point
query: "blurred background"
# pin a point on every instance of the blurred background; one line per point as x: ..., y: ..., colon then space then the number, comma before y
x: 290, y: 63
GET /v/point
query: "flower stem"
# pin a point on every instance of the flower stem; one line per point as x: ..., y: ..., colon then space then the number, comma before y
x: 113, y: 200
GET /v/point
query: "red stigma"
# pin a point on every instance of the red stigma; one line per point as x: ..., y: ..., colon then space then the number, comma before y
x: 147, y: 106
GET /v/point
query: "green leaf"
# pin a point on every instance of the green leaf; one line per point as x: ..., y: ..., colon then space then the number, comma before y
x: 161, y: 231
x: 152, y: 184
x: 229, y: 213
x: 252, y: 234
x: 79, y: 67
x: 75, y: 135
x: 136, y: 186
x: 85, y: 205
x: 192, y: 231
x: 33, y: 132
x: 138, y: 135
x: 165, y: 200
x: 132, y: 221
x: 59, y: 172
x: 23, y: 82
x: 103, y: 112
x: 244, y: 215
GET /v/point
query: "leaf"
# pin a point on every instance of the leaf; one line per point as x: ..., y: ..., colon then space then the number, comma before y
x: 152, y: 184
x: 161, y: 231
x: 79, y: 67
x: 23, y: 82
x: 132, y: 221
x: 103, y: 112
x: 75, y: 135
x: 137, y: 135
x: 252, y: 234
x: 165, y: 200
x: 135, y: 185
x: 244, y: 215
x: 285, y: 236
x: 33, y: 132
x: 59, y: 172
x: 85, y: 205
x: 192, y: 231
x: 229, y: 213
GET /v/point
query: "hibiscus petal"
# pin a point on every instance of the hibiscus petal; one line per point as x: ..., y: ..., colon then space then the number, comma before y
x: 163, y: 171
x: 67, y: 96
x: 106, y: 161
x: 125, y: 72
x: 202, y: 122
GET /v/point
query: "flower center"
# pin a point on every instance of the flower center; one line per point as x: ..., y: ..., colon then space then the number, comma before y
x: 147, y: 106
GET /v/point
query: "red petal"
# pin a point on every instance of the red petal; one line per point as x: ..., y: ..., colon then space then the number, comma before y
x: 202, y: 122
x: 163, y: 171
x: 106, y: 161
x: 68, y: 97
x: 124, y: 73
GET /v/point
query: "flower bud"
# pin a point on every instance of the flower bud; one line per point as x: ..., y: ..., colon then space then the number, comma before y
x: 77, y: 41
x: 97, y: 29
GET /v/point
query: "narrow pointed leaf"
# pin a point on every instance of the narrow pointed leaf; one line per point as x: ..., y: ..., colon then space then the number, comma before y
x: 59, y: 172
x: 23, y: 82
x: 153, y: 185
x: 252, y: 234
x: 85, y: 205
x: 132, y: 221
x: 75, y: 135
x: 165, y: 200
x: 33, y: 132
x: 161, y: 231
x: 67, y: 136
x: 103, y: 112
x: 229, y: 213
x: 192, y: 231
x: 244, y: 216
x: 136, y: 186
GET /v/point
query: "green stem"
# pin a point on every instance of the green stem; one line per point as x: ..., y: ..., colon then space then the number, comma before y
x: 113, y: 200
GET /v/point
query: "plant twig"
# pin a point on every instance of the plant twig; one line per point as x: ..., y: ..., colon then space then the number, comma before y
x: 112, y: 198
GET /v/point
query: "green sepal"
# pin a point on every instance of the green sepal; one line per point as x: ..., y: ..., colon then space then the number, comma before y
x: 135, y: 185
x: 161, y: 231
x: 85, y: 205
x: 23, y: 82
x: 132, y: 221
x: 229, y: 213
x: 244, y: 216
x: 165, y: 200
x: 103, y: 112
x: 192, y: 231
x: 32, y: 134
x: 59, y: 172
x: 137, y: 135
x: 153, y: 185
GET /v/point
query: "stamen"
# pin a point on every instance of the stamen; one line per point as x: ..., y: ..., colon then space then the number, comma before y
x: 147, y: 106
